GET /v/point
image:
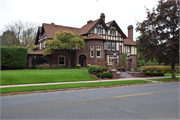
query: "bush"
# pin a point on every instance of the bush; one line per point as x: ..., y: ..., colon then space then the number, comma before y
x: 44, y: 65
x: 59, y: 67
x: 30, y: 67
x: 47, y: 68
x: 63, y: 67
x: 54, y: 66
x: 148, y: 73
x: 88, y: 65
x: 105, y: 68
x: 13, y: 57
x: 70, y: 67
x: 67, y: 67
x: 110, y: 68
x: 164, y: 69
x: 93, y: 69
x: 102, y: 75
x: 42, y: 68
x: 108, y: 75
x: 74, y: 67
x: 78, y: 65
x: 35, y: 68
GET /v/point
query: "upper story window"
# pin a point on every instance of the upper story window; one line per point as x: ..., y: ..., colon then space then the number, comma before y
x: 120, y: 49
x: 128, y: 49
x: 99, y: 31
x: 92, y: 47
x: 111, y: 32
x: 98, y: 47
x: 113, y: 46
x: 109, y: 46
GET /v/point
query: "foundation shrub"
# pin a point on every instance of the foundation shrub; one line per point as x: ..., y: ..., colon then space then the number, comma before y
x: 102, y: 75
x: 164, y: 69
x: 93, y: 69
x: 44, y: 65
x: 108, y: 75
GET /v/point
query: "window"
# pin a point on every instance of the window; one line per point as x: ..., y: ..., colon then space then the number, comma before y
x: 98, y: 47
x: 110, y: 59
x: 109, y: 46
x: 91, y: 53
x: 91, y: 47
x: 98, y: 54
x: 131, y: 60
x: 99, y: 31
x: 61, y: 60
x: 113, y: 46
x: 111, y: 32
x: 128, y: 49
x: 120, y: 49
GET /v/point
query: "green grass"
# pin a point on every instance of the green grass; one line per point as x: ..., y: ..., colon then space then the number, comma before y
x: 170, y: 74
x: 165, y: 79
x: 13, y: 77
x: 65, y: 86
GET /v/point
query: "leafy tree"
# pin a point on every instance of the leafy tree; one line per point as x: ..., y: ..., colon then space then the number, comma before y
x: 123, y: 60
x: 65, y: 40
x: 9, y: 38
x: 160, y: 33
x: 19, y: 33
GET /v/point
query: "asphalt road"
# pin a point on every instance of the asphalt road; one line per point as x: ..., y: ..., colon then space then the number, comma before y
x: 154, y: 101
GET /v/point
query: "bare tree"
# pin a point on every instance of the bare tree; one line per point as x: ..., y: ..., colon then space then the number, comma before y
x: 25, y: 33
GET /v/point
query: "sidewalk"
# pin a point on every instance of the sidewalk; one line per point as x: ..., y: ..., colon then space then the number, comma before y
x: 121, y: 79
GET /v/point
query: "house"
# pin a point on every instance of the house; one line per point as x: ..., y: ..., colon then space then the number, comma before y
x: 103, y: 39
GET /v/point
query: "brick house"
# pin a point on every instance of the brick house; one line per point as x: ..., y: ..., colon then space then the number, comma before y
x: 103, y: 39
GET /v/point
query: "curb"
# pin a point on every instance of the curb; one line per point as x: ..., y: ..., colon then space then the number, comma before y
x: 82, y: 88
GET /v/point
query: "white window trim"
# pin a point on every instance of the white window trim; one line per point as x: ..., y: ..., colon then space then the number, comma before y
x: 97, y: 47
x: 108, y: 56
x: 91, y: 48
x: 129, y: 49
x: 100, y: 31
x: 91, y: 54
x: 64, y: 60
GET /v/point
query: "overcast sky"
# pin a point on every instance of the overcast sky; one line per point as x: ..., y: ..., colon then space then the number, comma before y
x: 76, y: 13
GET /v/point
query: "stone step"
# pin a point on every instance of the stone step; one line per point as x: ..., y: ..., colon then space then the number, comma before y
x: 125, y: 75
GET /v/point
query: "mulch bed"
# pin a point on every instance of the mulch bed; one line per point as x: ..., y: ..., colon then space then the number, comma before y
x: 82, y: 88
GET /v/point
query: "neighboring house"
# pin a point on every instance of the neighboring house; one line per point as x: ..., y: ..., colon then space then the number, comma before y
x: 102, y: 41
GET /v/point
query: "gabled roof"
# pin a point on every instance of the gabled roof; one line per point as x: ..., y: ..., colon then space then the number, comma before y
x: 95, y: 36
x: 50, y: 29
x: 88, y: 26
x: 39, y: 52
x: 110, y: 22
x: 127, y: 41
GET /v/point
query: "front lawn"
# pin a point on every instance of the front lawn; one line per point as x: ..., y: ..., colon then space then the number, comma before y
x: 170, y: 74
x: 13, y: 77
x: 70, y: 85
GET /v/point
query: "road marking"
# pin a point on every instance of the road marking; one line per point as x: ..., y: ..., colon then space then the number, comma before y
x: 133, y: 95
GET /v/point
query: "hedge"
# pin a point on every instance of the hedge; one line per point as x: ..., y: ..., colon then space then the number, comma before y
x: 13, y: 57
x: 158, y: 68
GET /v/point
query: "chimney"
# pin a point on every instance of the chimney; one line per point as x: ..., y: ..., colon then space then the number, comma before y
x: 130, y: 32
x: 52, y: 23
x: 102, y: 17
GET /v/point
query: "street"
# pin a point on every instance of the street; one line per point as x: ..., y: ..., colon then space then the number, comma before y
x: 153, y: 101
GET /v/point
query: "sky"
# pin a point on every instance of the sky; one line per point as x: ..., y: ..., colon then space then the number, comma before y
x: 75, y: 13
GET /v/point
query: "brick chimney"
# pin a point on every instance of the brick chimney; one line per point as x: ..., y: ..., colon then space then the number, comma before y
x: 102, y: 17
x: 130, y: 32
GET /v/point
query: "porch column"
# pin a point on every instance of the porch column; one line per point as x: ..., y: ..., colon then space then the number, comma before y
x: 29, y: 60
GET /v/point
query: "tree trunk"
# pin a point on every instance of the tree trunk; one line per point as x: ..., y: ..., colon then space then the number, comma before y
x: 173, y: 70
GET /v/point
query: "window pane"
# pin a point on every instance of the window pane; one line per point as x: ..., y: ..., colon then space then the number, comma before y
x: 61, y: 58
x: 113, y: 45
x: 61, y: 62
x: 98, y: 53
x: 109, y: 45
x: 92, y: 53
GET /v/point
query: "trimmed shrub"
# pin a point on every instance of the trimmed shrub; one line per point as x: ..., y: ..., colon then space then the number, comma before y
x: 47, y: 68
x: 13, y: 57
x: 54, y: 66
x: 67, y: 67
x: 108, y: 75
x: 60, y: 67
x: 74, y: 67
x: 102, y: 75
x: 35, y: 68
x: 70, y: 67
x: 105, y: 68
x: 164, y: 69
x: 93, y: 69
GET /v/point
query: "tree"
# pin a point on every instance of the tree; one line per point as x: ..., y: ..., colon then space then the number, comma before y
x: 123, y: 60
x: 160, y: 33
x: 65, y: 40
x: 19, y: 33
x: 9, y: 38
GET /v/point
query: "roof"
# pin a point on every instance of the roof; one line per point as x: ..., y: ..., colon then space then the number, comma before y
x: 127, y: 41
x: 39, y: 52
x: 50, y: 29
x: 88, y: 26
x: 94, y: 36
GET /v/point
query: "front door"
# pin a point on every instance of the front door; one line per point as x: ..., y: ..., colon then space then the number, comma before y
x: 82, y: 59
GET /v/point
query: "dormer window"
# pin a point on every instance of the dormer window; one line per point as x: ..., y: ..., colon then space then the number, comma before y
x: 112, y: 32
x: 99, y: 31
